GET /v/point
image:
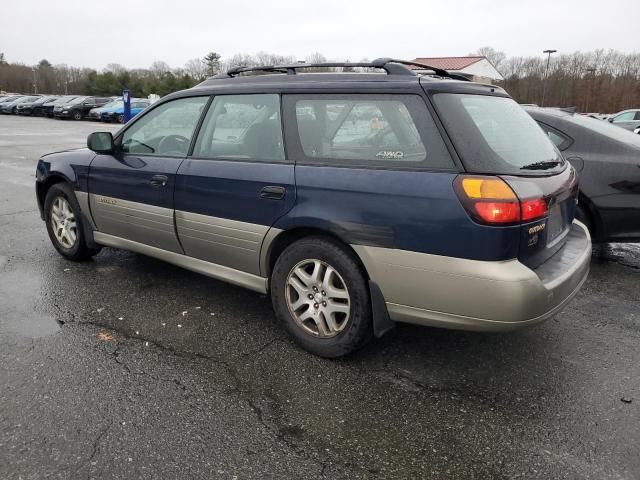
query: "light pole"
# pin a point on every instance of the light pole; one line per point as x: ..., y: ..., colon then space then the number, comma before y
x: 592, y: 71
x: 35, y: 82
x: 546, y: 75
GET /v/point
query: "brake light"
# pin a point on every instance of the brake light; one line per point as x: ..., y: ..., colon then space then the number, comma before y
x: 532, y: 209
x: 490, y: 200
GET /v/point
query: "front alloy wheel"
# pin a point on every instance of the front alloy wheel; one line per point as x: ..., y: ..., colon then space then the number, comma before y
x: 63, y: 219
x: 63, y: 223
x: 317, y: 298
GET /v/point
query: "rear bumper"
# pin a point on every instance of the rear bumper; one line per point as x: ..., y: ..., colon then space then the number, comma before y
x: 476, y: 295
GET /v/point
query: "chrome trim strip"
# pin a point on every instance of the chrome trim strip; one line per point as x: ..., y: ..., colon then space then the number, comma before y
x: 219, y: 272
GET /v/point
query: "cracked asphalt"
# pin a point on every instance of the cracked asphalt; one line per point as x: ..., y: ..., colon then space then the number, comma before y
x: 126, y: 367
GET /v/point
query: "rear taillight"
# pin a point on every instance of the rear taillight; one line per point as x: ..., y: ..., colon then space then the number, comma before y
x: 490, y: 200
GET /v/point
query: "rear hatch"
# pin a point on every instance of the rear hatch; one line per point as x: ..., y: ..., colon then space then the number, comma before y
x: 498, y: 141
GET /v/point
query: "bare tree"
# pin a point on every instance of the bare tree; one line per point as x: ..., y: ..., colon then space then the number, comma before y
x: 496, y: 57
x: 196, y: 68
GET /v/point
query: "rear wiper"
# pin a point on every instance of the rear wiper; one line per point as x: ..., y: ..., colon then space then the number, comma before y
x: 541, y: 165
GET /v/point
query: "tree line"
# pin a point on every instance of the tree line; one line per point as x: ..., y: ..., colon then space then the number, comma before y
x: 597, y: 81
x: 604, y: 81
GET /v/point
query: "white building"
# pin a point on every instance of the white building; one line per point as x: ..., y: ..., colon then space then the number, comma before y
x: 477, y: 69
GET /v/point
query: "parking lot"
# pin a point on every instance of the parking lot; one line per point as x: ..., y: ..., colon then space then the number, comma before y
x: 127, y: 367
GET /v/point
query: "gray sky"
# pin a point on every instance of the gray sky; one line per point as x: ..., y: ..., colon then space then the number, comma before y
x: 135, y: 33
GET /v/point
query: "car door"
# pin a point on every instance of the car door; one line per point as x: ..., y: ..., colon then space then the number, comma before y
x: 131, y: 191
x: 236, y: 184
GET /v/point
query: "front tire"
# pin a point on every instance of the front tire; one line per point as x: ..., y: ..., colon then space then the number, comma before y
x: 320, y: 294
x: 65, y: 223
x: 77, y: 115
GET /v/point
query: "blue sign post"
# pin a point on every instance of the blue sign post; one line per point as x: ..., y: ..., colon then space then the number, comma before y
x: 126, y: 98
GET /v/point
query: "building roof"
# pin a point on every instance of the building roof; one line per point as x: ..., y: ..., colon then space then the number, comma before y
x: 449, y: 63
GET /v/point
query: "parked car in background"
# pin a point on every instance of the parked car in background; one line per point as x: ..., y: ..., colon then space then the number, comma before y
x: 34, y: 107
x: 115, y: 113
x: 9, y: 98
x: 607, y: 159
x: 627, y: 119
x: 396, y: 197
x: 79, y: 107
x: 95, y: 113
x: 47, y: 108
x: 11, y: 106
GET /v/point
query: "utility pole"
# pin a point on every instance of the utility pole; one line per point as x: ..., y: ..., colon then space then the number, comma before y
x: 546, y: 75
x: 592, y: 71
x: 35, y: 81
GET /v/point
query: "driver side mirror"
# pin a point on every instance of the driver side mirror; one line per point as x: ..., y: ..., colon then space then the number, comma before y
x: 100, y: 142
x: 610, y: 119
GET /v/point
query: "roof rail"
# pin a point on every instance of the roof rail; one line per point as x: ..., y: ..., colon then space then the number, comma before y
x: 390, y: 65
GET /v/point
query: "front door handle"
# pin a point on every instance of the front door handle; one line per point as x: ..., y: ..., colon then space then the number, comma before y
x: 159, y: 180
x: 273, y: 192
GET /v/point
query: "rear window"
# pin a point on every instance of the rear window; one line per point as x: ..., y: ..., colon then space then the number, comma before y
x: 495, y: 135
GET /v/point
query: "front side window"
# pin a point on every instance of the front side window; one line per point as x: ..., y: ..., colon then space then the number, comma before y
x: 166, y: 130
x: 369, y: 131
x: 242, y: 127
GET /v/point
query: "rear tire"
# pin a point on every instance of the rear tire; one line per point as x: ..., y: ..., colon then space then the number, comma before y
x: 65, y: 225
x: 320, y: 294
x: 120, y: 119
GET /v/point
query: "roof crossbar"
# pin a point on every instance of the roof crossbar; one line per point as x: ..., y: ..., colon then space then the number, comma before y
x: 391, y: 66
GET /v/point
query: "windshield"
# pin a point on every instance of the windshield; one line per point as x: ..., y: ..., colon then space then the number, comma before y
x: 495, y: 135
x: 608, y: 129
x: 113, y: 104
x: 63, y: 100
x: 43, y: 100
x: 77, y: 100
x: 27, y: 99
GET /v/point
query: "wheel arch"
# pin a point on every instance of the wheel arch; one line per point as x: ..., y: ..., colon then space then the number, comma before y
x: 587, y: 205
x: 275, y: 243
x: 43, y: 187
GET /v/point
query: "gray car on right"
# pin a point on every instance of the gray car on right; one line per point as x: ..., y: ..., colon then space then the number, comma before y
x: 607, y: 159
x: 627, y: 119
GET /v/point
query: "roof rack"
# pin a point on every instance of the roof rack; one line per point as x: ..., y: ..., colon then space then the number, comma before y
x: 390, y: 65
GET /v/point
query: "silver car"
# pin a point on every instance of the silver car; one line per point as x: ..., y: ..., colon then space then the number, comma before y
x: 627, y: 119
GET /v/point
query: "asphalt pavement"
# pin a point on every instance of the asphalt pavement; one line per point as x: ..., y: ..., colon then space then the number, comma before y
x: 127, y: 367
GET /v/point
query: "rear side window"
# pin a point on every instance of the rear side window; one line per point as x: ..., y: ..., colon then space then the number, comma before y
x: 367, y: 130
x: 496, y: 135
x: 242, y: 127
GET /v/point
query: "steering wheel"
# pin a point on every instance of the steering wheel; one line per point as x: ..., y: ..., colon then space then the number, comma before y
x: 173, y: 144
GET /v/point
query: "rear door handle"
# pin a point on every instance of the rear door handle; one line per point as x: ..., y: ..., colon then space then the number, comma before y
x: 273, y: 192
x: 159, y: 180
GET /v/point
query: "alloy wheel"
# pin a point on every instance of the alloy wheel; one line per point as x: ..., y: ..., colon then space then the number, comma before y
x: 318, y: 298
x: 63, y: 222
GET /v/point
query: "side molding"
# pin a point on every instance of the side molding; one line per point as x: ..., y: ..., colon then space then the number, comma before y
x: 219, y: 272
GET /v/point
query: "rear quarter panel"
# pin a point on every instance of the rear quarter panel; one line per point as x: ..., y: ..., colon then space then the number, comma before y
x: 406, y: 210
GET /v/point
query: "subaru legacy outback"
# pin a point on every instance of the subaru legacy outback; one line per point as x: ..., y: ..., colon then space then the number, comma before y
x: 355, y: 200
